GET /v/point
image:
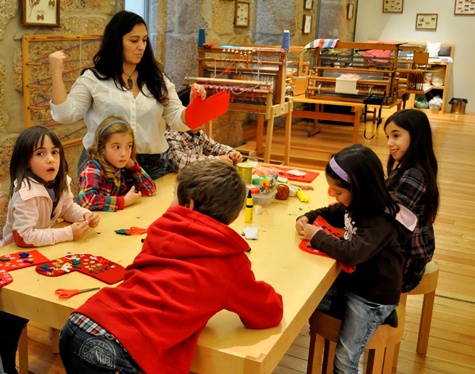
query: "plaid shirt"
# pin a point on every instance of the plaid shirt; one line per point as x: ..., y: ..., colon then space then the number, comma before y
x: 97, y: 192
x: 410, y: 192
x: 88, y: 325
x: 186, y: 147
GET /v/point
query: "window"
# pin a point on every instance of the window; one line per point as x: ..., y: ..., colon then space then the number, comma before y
x: 138, y: 6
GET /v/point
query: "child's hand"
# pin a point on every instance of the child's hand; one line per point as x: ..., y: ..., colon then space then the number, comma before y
x: 92, y: 219
x: 300, y: 223
x: 308, y: 231
x: 132, y: 196
x: 80, y: 229
x: 235, y: 156
x: 226, y: 158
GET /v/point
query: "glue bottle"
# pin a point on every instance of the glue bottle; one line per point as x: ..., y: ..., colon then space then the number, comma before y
x: 248, y: 211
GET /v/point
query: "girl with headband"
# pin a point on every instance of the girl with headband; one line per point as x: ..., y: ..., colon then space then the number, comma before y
x: 367, y: 297
x: 111, y: 179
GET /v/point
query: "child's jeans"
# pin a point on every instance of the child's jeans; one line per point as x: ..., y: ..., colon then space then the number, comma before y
x: 84, y: 353
x: 360, y: 319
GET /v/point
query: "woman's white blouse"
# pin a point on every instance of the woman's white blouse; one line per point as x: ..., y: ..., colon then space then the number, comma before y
x: 95, y: 100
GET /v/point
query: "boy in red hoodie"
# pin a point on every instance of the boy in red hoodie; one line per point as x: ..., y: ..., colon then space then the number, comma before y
x: 192, y: 265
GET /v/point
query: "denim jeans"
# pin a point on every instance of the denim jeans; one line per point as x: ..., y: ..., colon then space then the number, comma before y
x: 155, y: 165
x: 83, y: 353
x: 360, y: 319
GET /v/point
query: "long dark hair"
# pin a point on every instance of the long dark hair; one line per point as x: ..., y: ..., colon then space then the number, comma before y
x: 420, y: 155
x: 108, y: 60
x: 369, y: 194
x: 28, y: 140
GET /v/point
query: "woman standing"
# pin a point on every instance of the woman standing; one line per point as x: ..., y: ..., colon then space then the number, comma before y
x: 127, y: 82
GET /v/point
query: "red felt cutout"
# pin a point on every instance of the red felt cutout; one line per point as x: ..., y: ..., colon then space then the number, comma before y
x: 330, y: 230
x: 307, y: 178
x: 199, y: 111
x: 95, y: 266
x: 18, y: 260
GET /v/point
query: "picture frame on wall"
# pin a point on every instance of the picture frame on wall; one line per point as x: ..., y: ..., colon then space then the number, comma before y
x: 40, y: 13
x: 307, y: 24
x: 426, y: 21
x: 242, y: 15
x: 464, y: 8
x: 393, y: 6
x: 308, y: 4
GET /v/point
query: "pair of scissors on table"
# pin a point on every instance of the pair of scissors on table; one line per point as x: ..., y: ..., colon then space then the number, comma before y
x: 66, y: 294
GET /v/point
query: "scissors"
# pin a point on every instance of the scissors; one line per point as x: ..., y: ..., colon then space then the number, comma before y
x: 66, y: 294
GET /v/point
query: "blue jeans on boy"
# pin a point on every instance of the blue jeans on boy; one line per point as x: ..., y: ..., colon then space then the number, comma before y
x: 360, y: 319
x: 84, y: 353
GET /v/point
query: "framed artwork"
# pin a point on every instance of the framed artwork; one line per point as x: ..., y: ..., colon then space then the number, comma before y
x: 393, y: 6
x: 350, y: 11
x: 307, y: 24
x: 243, y: 14
x: 308, y: 4
x: 36, y: 13
x: 464, y: 8
x: 426, y: 21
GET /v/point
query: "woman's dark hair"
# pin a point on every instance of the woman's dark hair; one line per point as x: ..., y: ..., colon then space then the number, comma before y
x: 26, y: 143
x: 420, y: 155
x: 108, y: 60
x: 369, y: 194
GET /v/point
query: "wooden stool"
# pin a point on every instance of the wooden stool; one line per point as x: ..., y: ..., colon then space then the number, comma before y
x: 324, y: 331
x: 426, y: 287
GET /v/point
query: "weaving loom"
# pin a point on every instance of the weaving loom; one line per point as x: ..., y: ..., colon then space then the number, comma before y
x: 255, y: 76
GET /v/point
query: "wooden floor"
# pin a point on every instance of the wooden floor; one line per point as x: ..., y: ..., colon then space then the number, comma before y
x: 452, y: 341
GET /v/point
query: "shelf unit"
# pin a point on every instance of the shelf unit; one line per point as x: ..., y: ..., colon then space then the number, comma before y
x: 440, y: 68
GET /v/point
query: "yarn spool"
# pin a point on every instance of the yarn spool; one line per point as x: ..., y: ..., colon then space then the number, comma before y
x: 282, y: 192
x: 286, y: 40
x: 201, y: 37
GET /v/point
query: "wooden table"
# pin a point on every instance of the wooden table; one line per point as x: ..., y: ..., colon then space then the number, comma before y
x: 318, y: 113
x: 225, y: 346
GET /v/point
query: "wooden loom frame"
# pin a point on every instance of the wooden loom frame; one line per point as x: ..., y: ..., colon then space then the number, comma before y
x: 26, y: 64
x: 277, y: 104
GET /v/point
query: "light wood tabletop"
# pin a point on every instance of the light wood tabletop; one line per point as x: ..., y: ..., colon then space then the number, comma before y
x: 225, y: 346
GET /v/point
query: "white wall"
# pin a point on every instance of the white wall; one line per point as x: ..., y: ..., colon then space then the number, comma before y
x: 373, y: 24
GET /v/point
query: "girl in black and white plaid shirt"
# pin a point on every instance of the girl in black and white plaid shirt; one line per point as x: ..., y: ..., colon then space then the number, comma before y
x: 412, y: 177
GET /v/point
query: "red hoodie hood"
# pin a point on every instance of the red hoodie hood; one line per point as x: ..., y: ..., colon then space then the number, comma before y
x: 187, y: 233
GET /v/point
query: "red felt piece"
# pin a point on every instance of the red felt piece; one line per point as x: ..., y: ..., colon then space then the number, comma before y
x: 199, y: 111
x: 18, y: 260
x: 5, y: 278
x: 336, y: 233
x: 95, y: 266
x: 307, y: 178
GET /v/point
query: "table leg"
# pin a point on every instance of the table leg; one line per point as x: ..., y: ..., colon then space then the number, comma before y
x: 259, y: 133
x: 288, y: 134
x: 356, y: 124
x: 269, y: 135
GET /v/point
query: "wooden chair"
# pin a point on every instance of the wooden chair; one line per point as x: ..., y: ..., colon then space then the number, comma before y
x: 324, y: 331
